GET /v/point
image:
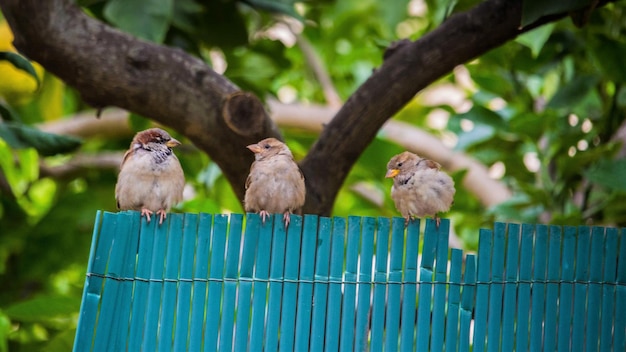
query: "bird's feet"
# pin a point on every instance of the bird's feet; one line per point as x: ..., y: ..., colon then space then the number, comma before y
x: 146, y: 212
x: 287, y: 218
x: 437, y: 221
x: 162, y: 215
x: 264, y: 214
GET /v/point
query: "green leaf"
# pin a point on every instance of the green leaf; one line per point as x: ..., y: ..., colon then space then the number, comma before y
x: 610, y: 174
x: 138, y: 122
x: 20, y: 136
x: 573, y: 92
x: 146, y: 19
x: 532, y: 10
x: 5, y: 329
x: 8, y: 114
x: 536, y: 38
x: 276, y: 6
x: 20, y: 62
x: 608, y: 54
x: 42, y: 308
x: 481, y: 115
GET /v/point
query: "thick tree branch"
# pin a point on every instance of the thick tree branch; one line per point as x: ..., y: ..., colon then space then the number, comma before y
x: 109, y: 67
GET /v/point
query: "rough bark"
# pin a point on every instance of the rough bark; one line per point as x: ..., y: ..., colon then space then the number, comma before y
x: 109, y: 67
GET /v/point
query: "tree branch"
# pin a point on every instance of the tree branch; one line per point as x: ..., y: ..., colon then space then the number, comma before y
x: 109, y: 67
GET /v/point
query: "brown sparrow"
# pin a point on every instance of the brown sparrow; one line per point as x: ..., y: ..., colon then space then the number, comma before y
x: 275, y: 183
x: 419, y: 188
x: 150, y: 179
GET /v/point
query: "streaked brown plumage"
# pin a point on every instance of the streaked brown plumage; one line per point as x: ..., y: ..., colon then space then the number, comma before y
x: 150, y: 179
x: 275, y: 183
x: 419, y: 188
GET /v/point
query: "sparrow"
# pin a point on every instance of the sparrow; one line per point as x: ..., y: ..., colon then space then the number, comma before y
x: 419, y: 188
x: 275, y: 183
x: 150, y: 179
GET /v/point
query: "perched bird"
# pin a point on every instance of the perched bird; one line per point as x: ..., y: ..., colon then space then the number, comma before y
x: 275, y: 183
x: 419, y: 188
x: 150, y: 179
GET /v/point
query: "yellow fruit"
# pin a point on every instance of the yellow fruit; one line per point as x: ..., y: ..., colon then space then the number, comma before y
x: 16, y: 86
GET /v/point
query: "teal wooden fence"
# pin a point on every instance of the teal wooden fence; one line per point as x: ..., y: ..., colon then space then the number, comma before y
x: 204, y: 283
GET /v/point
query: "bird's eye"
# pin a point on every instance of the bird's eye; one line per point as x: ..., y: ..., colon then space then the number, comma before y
x: 399, y: 164
x: 267, y: 146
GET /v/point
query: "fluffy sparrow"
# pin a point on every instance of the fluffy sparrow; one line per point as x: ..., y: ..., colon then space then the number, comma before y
x: 419, y: 188
x: 275, y: 183
x: 150, y: 179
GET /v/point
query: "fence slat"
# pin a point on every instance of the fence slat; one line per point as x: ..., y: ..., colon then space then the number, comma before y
x: 494, y: 317
x: 230, y: 274
x: 608, y: 291
x: 380, y: 285
x: 580, y: 289
x: 567, y: 288
x: 320, y: 288
x: 214, y: 289
x: 333, y: 315
x: 290, y: 291
x: 538, y: 289
x: 305, y: 294
x: 277, y: 269
x: 594, y: 301
x: 155, y: 287
x: 183, y: 302
x: 348, y: 319
x: 454, y: 300
x: 510, y: 288
x: 620, y: 296
x: 552, y: 288
x: 441, y: 272
x: 429, y: 249
x: 409, y: 304
x: 172, y: 264
x: 482, y: 290
x: 525, y: 275
x: 364, y: 288
x: 212, y: 295
x: 468, y: 296
x: 259, y: 287
x: 392, y: 319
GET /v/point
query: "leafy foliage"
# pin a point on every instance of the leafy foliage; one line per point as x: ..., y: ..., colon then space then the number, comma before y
x: 543, y: 113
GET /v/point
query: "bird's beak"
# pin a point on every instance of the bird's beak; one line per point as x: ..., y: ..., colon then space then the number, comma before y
x: 172, y: 143
x: 392, y: 173
x: 255, y: 148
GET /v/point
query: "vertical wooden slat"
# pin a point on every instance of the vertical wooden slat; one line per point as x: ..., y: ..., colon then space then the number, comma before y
x: 467, y: 302
x: 494, y: 320
x: 91, y: 293
x: 441, y: 272
x: 333, y: 315
x: 155, y: 287
x: 409, y: 304
x: 510, y: 288
x: 231, y: 277
x: 305, y: 294
x: 246, y: 270
x: 620, y: 296
x: 277, y: 266
x: 538, y: 288
x: 142, y: 287
x: 580, y: 288
x: 172, y: 266
x: 608, y: 290
x: 595, y: 289
x: 290, y: 291
x: 429, y: 249
x: 552, y: 288
x: 392, y: 320
x: 259, y: 287
x: 482, y: 290
x: 211, y: 240
x: 567, y: 288
x: 320, y: 287
x: 349, y: 288
x: 525, y: 276
x: 216, y: 283
x: 183, y: 301
x: 380, y: 285
x: 454, y: 300
x: 364, y: 286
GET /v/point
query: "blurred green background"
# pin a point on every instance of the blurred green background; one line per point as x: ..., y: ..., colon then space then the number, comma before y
x: 543, y: 114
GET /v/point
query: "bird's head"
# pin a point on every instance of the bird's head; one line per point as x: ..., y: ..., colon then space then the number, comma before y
x: 269, y: 147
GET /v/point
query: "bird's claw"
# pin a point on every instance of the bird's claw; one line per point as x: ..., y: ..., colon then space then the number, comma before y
x: 264, y: 214
x: 162, y: 215
x: 146, y: 212
x: 287, y: 218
